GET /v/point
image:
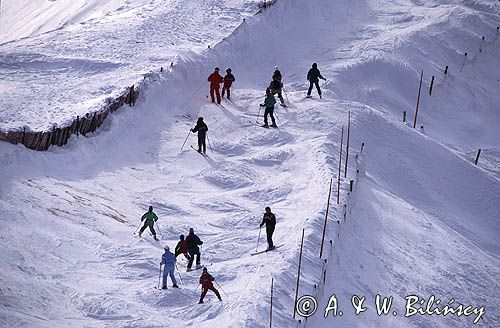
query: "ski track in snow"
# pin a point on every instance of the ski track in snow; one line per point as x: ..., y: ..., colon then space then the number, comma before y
x: 412, y: 227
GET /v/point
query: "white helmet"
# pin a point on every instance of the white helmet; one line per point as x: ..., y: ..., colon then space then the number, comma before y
x: 275, y: 68
x: 166, y: 248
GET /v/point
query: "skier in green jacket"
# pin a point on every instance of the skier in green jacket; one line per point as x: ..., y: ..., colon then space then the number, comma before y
x: 150, y: 219
x: 269, y: 103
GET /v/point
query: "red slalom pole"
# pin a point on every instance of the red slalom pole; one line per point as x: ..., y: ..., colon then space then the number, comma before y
x: 298, y: 275
x: 340, y: 165
x: 326, y: 218
x: 271, y: 310
x: 347, y: 145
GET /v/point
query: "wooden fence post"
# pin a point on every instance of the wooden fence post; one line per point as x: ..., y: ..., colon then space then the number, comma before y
x: 326, y: 218
x: 463, y: 64
x: 404, y: 116
x: 477, y: 157
x: 340, y: 165
x: 298, y: 275
x: 432, y: 83
x: 418, y: 99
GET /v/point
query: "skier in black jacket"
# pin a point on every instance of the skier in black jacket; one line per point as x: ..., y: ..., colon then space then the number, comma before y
x: 270, y: 221
x: 193, y: 241
x: 313, y: 77
x: 202, y: 129
x: 276, y: 85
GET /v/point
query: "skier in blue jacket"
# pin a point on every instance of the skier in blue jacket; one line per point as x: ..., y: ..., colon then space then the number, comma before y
x: 168, y: 260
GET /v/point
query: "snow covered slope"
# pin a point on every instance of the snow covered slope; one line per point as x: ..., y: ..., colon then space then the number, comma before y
x: 61, y: 59
x: 422, y: 219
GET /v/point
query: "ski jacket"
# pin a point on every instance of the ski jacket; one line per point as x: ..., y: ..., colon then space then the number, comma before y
x: 275, y: 85
x: 215, y: 80
x: 270, y: 101
x: 269, y: 220
x: 168, y: 259
x: 314, y: 75
x: 149, y: 216
x: 181, y: 247
x: 193, y: 241
x: 201, y: 128
x: 277, y: 75
x: 206, y: 280
x: 228, y: 80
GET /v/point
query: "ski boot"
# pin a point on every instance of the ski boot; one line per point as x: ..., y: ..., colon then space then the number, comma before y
x: 274, y: 125
x: 175, y: 286
x: 164, y: 287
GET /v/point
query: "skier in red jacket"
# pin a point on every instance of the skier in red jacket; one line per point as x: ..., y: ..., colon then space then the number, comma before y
x: 215, y: 80
x: 182, y: 248
x: 206, y: 284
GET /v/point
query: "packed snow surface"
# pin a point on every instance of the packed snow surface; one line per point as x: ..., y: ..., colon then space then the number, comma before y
x: 60, y: 59
x: 422, y: 218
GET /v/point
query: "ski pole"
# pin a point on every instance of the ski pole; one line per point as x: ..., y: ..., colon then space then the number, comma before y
x: 180, y: 277
x: 221, y: 288
x: 186, y: 139
x: 257, y: 121
x: 209, y: 145
x: 137, y: 228
x: 197, y: 287
x: 285, y: 94
x: 159, y: 278
x: 277, y: 118
x: 159, y: 231
x: 258, y: 239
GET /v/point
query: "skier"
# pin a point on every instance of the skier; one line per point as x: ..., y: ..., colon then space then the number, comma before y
x: 276, y: 85
x: 270, y: 221
x: 182, y: 248
x: 193, y: 241
x: 313, y: 77
x: 228, y: 81
x: 215, y: 80
x: 206, y: 284
x: 150, y: 219
x: 202, y: 130
x: 168, y: 260
x: 269, y: 103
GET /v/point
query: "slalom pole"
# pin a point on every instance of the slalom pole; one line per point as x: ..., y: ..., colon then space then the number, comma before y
x: 258, y: 239
x: 178, y: 272
x: 221, y: 288
x: 159, y: 278
x: 209, y: 144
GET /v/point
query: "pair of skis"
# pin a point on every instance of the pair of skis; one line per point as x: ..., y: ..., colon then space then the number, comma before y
x: 199, y: 152
x: 267, y: 250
